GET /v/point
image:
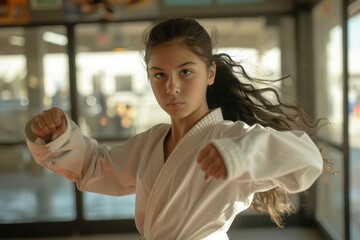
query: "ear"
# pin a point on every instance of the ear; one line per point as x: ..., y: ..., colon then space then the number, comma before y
x: 212, y: 74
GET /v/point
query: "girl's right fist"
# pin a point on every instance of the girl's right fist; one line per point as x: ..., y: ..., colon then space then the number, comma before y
x: 49, y: 124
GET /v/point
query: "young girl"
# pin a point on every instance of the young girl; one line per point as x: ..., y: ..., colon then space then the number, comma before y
x: 192, y: 177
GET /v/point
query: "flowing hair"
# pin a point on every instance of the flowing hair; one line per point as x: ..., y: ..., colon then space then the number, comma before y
x: 235, y: 93
x: 245, y: 102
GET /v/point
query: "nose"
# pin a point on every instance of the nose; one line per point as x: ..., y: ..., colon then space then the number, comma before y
x: 173, y: 85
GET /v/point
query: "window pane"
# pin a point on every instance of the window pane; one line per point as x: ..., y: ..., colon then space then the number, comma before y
x: 34, y: 76
x: 354, y: 116
x: 330, y: 203
x: 30, y: 193
x: 107, y: 207
x: 328, y: 68
x: 13, y: 96
x: 329, y: 104
x: 114, y: 96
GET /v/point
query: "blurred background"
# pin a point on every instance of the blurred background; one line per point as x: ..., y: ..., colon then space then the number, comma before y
x: 87, y: 59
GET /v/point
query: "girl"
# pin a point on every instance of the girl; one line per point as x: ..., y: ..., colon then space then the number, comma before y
x: 191, y: 178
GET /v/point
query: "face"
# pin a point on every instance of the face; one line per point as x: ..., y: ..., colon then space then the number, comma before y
x: 179, y: 79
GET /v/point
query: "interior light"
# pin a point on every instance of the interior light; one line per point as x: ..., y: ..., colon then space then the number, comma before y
x: 119, y: 49
x: 55, y: 38
x: 16, y: 41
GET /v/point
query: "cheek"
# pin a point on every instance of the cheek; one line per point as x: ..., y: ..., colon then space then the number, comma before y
x: 202, y: 85
x: 158, y: 90
x: 197, y: 90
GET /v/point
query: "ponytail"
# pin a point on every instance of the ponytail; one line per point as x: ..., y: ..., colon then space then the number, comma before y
x: 239, y: 99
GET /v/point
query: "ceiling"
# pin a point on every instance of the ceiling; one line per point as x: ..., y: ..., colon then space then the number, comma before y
x: 247, y: 30
x: 106, y: 37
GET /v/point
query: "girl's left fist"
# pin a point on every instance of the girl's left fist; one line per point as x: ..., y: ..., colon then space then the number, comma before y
x: 212, y: 163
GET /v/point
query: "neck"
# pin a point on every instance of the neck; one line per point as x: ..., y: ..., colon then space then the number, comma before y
x: 179, y: 127
x: 178, y: 131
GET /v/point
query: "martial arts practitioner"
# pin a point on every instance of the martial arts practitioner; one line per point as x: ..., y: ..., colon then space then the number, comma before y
x: 227, y: 148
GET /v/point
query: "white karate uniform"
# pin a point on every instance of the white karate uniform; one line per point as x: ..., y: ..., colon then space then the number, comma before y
x: 172, y: 199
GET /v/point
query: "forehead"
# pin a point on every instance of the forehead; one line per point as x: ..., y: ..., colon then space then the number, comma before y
x: 172, y: 53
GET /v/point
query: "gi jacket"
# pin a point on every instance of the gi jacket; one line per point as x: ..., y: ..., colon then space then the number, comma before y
x: 172, y: 199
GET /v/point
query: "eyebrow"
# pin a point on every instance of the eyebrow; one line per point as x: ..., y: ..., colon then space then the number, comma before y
x: 179, y: 66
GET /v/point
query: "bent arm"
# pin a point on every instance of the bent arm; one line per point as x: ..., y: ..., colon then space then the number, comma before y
x: 288, y: 159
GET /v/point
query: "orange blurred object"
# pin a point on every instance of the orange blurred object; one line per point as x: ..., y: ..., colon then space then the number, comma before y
x: 14, y: 11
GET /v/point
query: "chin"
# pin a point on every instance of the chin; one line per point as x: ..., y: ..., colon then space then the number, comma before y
x: 177, y: 114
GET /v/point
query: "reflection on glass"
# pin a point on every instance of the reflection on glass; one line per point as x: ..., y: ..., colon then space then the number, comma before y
x: 107, y: 207
x: 113, y: 95
x: 30, y: 193
x: 354, y: 117
x: 56, y: 84
x: 13, y: 96
x: 329, y: 101
x: 33, y: 77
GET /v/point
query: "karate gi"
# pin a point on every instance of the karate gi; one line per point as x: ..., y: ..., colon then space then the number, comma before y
x: 172, y: 199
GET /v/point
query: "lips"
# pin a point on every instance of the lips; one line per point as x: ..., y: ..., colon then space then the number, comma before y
x: 175, y: 104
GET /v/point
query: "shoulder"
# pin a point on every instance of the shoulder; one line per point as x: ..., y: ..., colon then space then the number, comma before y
x: 228, y: 128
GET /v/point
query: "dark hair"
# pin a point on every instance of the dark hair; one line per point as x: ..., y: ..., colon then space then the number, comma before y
x: 235, y: 93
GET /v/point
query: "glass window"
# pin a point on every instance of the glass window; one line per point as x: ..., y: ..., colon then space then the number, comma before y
x: 354, y: 116
x: 34, y: 76
x: 112, y: 81
x: 13, y: 96
x: 329, y: 197
x: 104, y: 207
x: 29, y: 193
x: 328, y: 69
x: 329, y: 104
x: 115, y: 98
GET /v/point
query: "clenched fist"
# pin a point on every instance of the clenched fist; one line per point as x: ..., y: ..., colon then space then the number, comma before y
x: 49, y: 124
x: 212, y: 163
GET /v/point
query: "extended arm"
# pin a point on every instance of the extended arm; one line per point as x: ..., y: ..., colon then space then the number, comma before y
x: 94, y: 167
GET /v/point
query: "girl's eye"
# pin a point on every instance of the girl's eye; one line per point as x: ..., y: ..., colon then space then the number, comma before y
x: 186, y: 72
x: 159, y: 75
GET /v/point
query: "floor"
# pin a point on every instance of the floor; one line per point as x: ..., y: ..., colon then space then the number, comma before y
x: 247, y: 234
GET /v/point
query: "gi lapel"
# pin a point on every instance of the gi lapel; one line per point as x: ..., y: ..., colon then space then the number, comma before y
x: 173, y: 162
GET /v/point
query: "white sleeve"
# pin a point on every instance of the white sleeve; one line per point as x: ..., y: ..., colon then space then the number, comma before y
x: 95, y: 168
x: 288, y: 159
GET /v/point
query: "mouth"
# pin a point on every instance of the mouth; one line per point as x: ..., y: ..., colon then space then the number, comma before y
x: 175, y: 105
